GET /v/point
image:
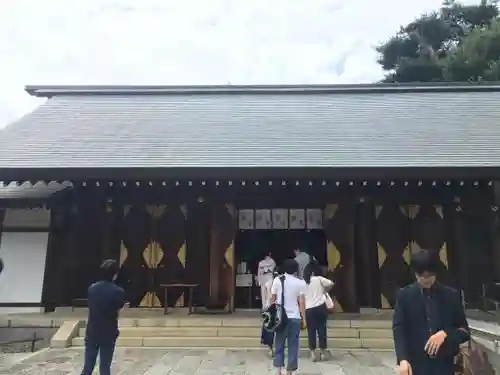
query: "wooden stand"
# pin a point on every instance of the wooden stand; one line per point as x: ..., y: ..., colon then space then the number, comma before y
x: 190, y: 287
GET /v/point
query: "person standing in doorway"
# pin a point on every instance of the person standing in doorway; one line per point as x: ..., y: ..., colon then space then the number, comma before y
x: 265, y: 271
x: 303, y: 259
x: 429, y: 322
x: 105, y: 299
x: 316, y: 310
x: 292, y: 290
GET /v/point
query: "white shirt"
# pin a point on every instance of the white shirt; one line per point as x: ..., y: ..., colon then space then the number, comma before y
x: 294, y: 288
x: 266, y: 297
x: 315, y: 292
x: 265, y: 270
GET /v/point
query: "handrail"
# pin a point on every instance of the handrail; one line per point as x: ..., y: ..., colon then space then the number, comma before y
x: 488, y: 300
x: 484, y: 302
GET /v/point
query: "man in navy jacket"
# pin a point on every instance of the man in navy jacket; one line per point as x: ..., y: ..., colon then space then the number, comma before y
x: 105, y: 299
x: 429, y: 322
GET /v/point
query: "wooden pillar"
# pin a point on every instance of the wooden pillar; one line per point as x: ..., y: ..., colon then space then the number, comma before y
x: 60, y: 233
x: 495, y: 242
x: 53, y: 277
x: 366, y: 256
x: 459, y: 253
x: 198, y: 249
x: 339, y: 231
x: 111, y: 237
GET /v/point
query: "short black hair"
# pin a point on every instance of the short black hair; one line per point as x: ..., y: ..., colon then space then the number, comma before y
x: 424, y: 261
x: 109, y: 268
x: 290, y: 266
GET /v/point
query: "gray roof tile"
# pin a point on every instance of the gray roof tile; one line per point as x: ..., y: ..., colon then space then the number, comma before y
x: 27, y: 190
x: 412, y: 129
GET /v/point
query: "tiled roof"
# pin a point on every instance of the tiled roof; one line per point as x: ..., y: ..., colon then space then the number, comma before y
x: 237, y: 128
x: 27, y: 190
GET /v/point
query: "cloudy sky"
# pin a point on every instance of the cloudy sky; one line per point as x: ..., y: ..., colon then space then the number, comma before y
x: 191, y: 42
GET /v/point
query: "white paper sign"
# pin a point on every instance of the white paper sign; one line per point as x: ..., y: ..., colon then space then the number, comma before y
x: 314, y: 218
x: 297, y: 218
x: 245, y: 219
x: 244, y: 280
x: 280, y: 218
x: 263, y: 219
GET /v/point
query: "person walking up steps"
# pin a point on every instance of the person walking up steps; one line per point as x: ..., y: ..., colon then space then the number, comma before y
x: 316, y: 310
x: 265, y: 271
x: 267, y: 337
x: 288, y: 291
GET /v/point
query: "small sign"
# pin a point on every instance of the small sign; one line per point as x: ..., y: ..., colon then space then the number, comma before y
x: 246, y: 219
x: 263, y: 219
x: 280, y: 218
x: 297, y: 218
x: 244, y: 280
x: 314, y: 218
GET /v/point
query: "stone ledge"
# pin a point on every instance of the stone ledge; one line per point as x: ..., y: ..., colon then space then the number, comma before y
x: 65, y: 334
x: 7, y: 321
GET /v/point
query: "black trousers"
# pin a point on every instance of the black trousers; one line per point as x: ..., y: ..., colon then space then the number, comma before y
x: 105, y: 350
x: 316, y: 318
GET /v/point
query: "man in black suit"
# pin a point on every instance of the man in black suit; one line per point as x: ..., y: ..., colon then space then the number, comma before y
x: 429, y: 322
x: 105, y: 299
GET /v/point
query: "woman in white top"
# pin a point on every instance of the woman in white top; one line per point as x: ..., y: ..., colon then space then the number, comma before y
x: 316, y: 311
x: 265, y: 271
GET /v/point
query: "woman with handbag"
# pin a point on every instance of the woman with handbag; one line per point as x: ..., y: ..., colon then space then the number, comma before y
x: 267, y: 336
x: 316, y: 309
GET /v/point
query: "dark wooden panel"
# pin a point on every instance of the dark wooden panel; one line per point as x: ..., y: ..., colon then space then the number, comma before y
x: 169, y: 238
x: 392, y: 236
x: 427, y: 231
x: 477, y: 235
x: 82, y: 252
x: 222, y: 272
x: 339, y: 231
x: 135, y: 235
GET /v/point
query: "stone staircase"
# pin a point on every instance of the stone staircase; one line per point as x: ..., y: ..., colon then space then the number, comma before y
x: 239, y: 333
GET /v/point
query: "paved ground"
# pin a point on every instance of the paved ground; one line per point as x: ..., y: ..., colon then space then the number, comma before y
x: 143, y: 361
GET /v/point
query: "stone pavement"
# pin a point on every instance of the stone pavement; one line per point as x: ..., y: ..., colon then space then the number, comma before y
x: 145, y: 361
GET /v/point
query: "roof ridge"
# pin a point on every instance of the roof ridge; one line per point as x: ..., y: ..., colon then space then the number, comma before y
x: 54, y: 90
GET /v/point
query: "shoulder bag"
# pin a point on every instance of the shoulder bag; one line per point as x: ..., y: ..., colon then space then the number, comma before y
x: 275, y: 318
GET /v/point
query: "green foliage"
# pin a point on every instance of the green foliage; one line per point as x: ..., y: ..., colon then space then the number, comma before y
x: 456, y: 43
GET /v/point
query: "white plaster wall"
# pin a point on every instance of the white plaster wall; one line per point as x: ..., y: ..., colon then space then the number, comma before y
x: 24, y: 266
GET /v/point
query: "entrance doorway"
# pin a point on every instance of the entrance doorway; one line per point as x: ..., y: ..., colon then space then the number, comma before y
x: 252, y: 245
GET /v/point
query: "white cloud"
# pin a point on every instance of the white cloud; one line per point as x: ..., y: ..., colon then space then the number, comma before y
x: 191, y: 42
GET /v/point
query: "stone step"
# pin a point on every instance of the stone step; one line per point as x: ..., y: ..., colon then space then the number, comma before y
x: 239, y: 332
x: 194, y: 321
x: 239, y: 342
